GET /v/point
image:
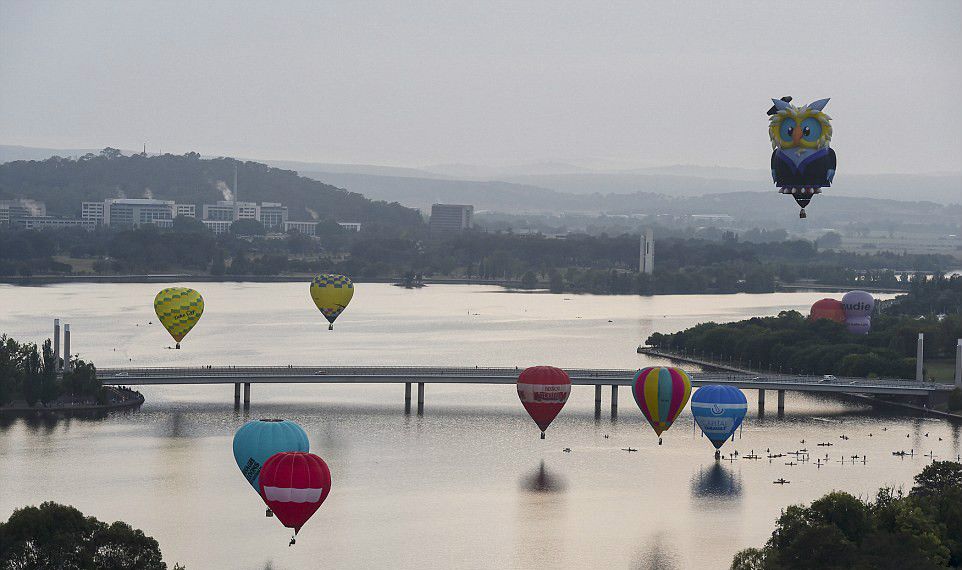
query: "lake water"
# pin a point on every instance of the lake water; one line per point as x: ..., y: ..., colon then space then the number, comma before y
x: 469, y: 484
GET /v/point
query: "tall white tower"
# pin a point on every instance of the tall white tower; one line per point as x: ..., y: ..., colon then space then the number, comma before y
x: 646, y: 258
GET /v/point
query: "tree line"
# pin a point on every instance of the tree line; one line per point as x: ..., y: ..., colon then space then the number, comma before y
x: 791, y: 342
x: 918, y: 530
x: 29, y: 373
x: 578, y: 263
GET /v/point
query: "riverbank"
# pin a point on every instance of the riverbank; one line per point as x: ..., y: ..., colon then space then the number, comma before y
x: 116, y: 398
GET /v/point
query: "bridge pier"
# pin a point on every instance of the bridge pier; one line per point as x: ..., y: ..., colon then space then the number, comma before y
x: 597, y: 400
x: 407, y: 397
x: 781, y: 402
x: 247, y: 394
x: 420, y: 398
x: 614, y: 401
x: 761, y: 402
x: 236, y: 394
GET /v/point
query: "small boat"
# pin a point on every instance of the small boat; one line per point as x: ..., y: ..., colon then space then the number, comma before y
x: 826, y: 444
x: 843, y: 437
x: 752, y: 456
x: 780, y: 481
x: 628, y: 449
x: 567, y: 450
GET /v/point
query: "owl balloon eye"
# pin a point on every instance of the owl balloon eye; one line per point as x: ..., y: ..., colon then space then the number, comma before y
x: 786, y: 130
x: 811, y: 129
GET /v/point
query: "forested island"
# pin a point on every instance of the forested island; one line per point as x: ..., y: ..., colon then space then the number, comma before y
x: 29, y: 379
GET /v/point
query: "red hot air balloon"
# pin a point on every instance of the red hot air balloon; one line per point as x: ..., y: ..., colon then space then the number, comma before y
x: 543, y: 391
x: 294, y: 484
x: 831, y: 309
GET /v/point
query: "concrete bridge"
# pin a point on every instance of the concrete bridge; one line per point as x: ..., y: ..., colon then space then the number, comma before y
x: 245, y: 376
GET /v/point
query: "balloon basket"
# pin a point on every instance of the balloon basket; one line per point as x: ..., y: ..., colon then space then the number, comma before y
x: 269, y: 513
x: 177, y: 346
x: 802, y: 214
x: 659, y: 441
x: 292, y: 542
x: 330, y: 327
x: 717, y: 455
x: 542, y: 435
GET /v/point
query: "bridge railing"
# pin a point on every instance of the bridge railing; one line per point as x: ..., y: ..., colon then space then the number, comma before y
x: 758, y: 379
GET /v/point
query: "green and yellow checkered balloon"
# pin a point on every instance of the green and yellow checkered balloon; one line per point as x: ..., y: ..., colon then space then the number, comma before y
x: 178, y: 309
x: 331, y: 293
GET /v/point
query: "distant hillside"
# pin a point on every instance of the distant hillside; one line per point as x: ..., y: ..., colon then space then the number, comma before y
x: 764, y: 208
x: 64, y: 183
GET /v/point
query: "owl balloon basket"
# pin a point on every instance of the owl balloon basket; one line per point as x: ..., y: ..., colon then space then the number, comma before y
x: 802, y: 196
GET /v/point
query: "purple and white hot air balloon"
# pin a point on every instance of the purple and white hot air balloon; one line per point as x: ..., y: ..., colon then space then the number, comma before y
x: 858, y: 306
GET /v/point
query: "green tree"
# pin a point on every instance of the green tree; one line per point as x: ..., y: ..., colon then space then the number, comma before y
x: 55, y: 536
x: 529, y: 280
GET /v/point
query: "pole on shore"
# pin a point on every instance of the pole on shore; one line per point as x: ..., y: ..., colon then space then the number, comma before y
x: 66, y: 348
x: 56, y: 345
x: 407, y: 397
x: 958, y: 364
x: 918, y: 358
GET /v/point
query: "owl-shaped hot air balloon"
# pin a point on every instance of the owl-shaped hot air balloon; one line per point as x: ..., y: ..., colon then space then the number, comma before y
x: 802, y: 162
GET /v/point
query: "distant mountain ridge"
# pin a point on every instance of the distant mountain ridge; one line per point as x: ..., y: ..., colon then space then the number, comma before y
x: 567, y: 178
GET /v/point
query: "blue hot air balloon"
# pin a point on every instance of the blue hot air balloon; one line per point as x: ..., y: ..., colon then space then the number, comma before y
x: 718, y: 410
x: 257, y: 440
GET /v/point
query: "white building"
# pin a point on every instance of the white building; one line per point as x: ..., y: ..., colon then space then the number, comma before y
x: 185, y: 210
x: 14, y: 210
x: 218, y: 226
x: 45, y: 222
x: 350, y: 226
x: 134, y: 212
x: 273, y: 215
x: 306, y: 228
x: 224, y: 211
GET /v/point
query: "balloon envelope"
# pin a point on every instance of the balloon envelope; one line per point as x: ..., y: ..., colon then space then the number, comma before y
x: 830, y: 309
x: 294, y: 485
x: 858, y: 325
x: 178, y: 309
x: 543, y: 391
x: 661, y: 393
x: 331, y: 293
x: 256, y: 441
x: 858, y: 304
x: 718, y: 411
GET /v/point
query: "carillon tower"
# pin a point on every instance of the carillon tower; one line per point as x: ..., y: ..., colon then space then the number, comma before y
x: 646, y: 258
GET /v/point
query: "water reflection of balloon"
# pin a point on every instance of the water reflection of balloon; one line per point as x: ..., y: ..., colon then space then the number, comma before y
x: 718, y: 411
x: 178, y: 309
x: 661, y: 393
x: 543, y: 391
x: 715, y: 481
x: 294, y: 485
x: 256, y: 441
x: 543, y: 481
x: 331, y: 293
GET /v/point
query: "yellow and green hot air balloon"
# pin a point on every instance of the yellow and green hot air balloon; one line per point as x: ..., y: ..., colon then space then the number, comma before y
x: 331, y: 293
x: 178, y: 309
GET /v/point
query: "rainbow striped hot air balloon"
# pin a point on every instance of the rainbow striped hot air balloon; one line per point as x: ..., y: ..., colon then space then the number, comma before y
x: 662, y: 394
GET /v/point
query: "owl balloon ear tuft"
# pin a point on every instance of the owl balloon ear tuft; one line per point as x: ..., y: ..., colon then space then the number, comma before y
x: 802, y: 161
x: 780, y: 104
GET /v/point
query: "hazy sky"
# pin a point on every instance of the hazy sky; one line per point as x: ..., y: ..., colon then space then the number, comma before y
x: 415, y: 84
